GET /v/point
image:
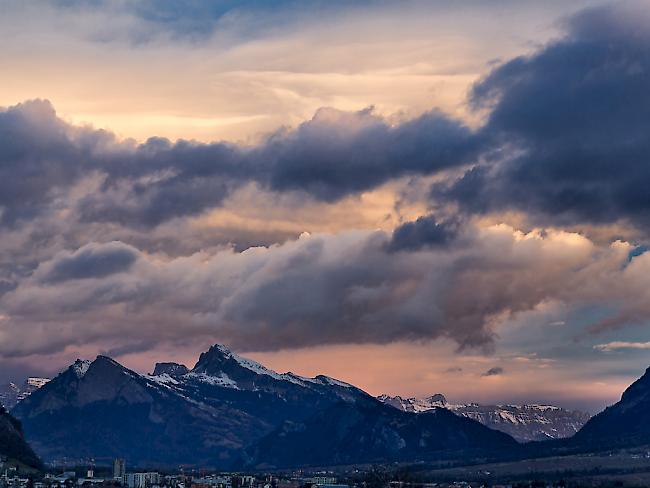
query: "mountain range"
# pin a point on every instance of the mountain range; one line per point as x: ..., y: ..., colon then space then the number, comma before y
x: 231, y: 411
x: 523, y: 422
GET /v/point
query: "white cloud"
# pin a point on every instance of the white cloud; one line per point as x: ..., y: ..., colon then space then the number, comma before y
x: 616, y: 345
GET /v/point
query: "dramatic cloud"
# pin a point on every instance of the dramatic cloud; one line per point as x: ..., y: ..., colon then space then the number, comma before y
x: 338, y: 153
x: 569, y: 126
x: 321, y: 289
x: 40, y: 157
x: 564, y: 142
x: 119, y: 246
x: 333, y: 155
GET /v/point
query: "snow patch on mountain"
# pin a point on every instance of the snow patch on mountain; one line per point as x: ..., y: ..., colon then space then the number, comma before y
x: 259, y: 369
x: 222, y: 380
x: 162, y: 379
x: 326, y: 380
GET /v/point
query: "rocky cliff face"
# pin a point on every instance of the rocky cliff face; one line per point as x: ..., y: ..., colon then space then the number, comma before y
x: 172, y: 369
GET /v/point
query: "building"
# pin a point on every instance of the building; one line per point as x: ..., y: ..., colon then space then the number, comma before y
x: 119, y: 469
x: 320, y: 481
x: 141, y: 480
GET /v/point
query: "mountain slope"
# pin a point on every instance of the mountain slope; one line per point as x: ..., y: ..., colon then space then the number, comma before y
x: 12, y: 442
x: 369, y: 431
x: 9, y: 394
x: 523, y: 422
x: 624, y: 424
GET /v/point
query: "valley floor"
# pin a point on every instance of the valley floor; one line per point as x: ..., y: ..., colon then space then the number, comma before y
x: 629, y: 467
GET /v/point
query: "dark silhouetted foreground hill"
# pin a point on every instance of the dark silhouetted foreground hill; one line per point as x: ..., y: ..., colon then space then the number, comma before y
x: 624, y: 424
x: 12, y: 442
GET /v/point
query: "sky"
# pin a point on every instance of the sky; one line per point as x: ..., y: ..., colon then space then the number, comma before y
x: 416, y: 197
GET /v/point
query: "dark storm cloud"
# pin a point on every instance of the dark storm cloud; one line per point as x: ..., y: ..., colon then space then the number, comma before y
x: 331, y: 156
x: 569, y: 126
x: 91, y: 261
x: 338, y: 153
x: 423, y: 232
x: 39, y: 159
x: 496, y: 371
x: 158, y: 181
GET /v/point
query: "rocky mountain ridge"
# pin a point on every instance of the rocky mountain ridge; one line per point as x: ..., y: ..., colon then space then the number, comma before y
x: 523, y: 422
x: 11, y: 393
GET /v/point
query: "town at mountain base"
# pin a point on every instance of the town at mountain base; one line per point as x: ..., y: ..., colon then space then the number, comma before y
x: 231, y: 412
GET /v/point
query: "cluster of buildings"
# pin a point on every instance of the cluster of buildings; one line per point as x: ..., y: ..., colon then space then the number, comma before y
x: 10, y: 478
x: 118, y: 477
x: 247, y: 481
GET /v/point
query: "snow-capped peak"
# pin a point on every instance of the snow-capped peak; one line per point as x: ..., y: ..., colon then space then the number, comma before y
x: 218, y: 361
x: 80, y: 367
x: 219, y: 355
x: 258, y: 368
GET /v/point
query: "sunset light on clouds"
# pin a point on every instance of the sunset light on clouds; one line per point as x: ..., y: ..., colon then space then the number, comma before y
x: 414, y: 197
